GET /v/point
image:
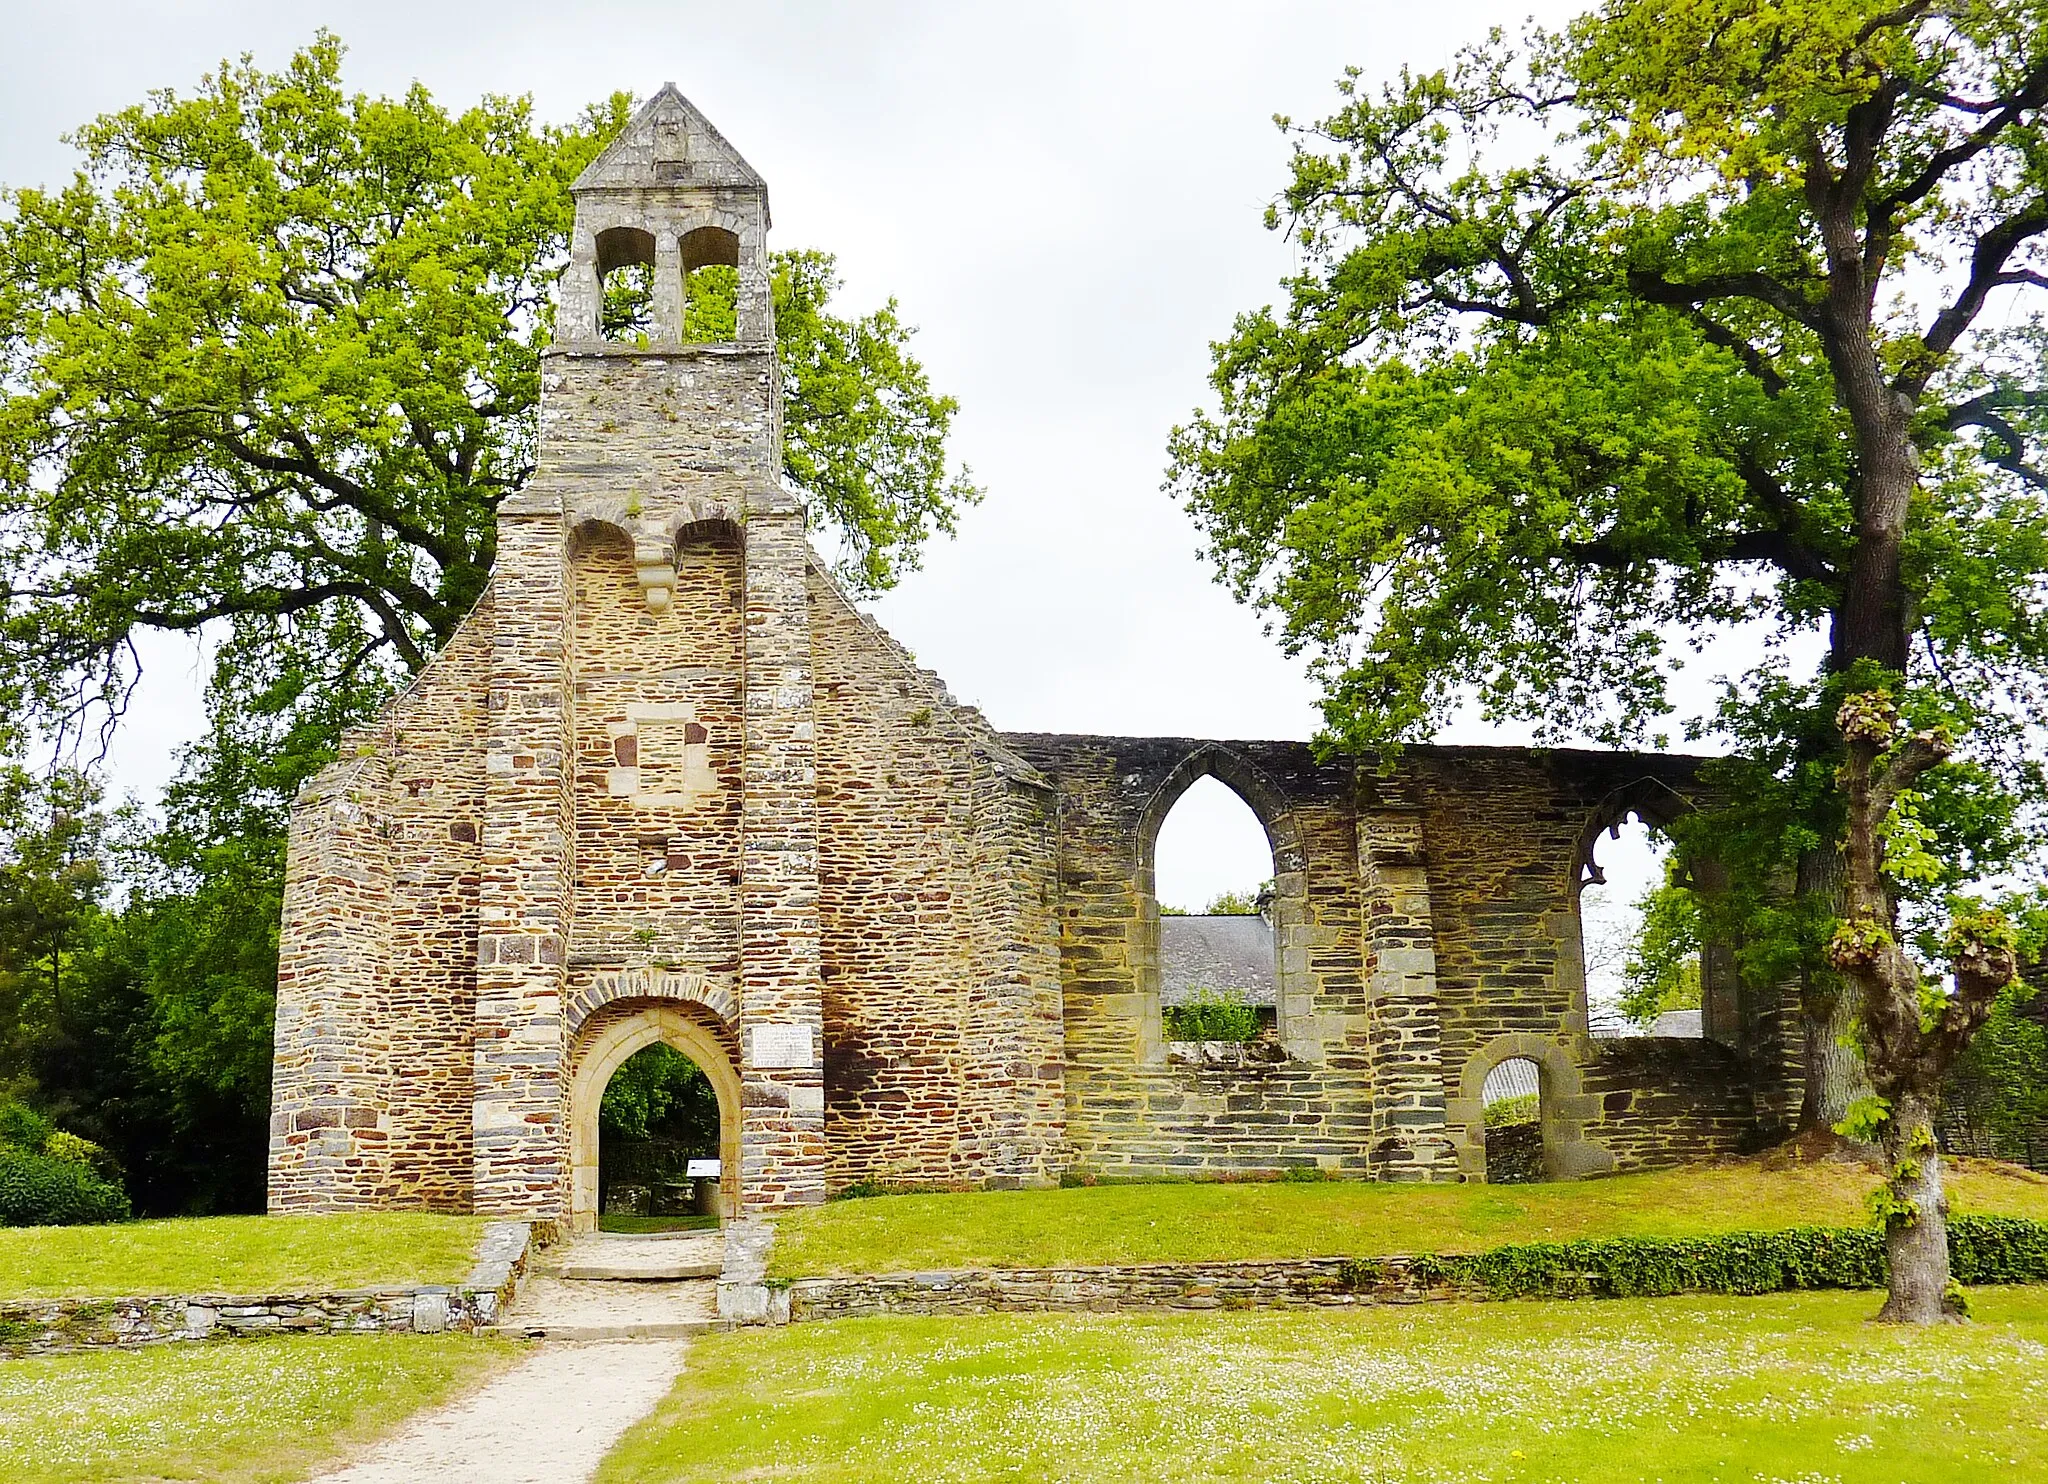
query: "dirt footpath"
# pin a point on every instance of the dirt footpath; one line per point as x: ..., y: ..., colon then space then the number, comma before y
x: 549, y: 1420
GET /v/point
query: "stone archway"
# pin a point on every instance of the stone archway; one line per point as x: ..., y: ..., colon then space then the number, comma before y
x: 1293, y: 932
x: 1564, y: 1106
x: 602, y: 1046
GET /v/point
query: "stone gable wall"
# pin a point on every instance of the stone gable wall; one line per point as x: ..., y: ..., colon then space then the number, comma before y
x: 941, y: 995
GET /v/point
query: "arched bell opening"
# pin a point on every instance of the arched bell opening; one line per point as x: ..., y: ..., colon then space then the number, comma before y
x: 626, y: 284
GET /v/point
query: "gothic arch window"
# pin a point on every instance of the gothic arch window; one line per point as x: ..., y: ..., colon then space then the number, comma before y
x: 1638, y: 978
x: 1275, y: 931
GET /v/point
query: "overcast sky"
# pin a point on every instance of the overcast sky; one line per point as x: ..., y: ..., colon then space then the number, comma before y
x: 1065, y: 198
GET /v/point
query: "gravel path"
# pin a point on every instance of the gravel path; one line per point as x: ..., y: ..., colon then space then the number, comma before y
x: 548, y: 1421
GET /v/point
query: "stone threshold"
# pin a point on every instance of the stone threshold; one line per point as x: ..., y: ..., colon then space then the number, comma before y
x: 57, y: 1325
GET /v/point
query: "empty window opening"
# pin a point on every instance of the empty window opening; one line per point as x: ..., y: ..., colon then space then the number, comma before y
x: 1213, y: 874
x: 1639, y: 929
x: 625, y: 271
x: 1512, y: 1099
x: 711, y: 283
x: 658, y: 1143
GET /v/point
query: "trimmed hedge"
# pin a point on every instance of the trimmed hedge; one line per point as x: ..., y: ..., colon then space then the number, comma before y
x: 1982, y: 1249
x: 42, y: 1190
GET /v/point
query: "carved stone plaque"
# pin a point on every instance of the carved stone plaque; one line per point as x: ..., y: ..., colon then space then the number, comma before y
x: 782, y: 1046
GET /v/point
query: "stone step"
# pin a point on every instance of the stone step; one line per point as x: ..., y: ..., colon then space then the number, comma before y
x: 681, y: 1329
x: 557, y: 1308
x: 598, y: 1270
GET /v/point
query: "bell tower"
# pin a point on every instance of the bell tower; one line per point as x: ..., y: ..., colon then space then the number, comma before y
x: 665, y: 440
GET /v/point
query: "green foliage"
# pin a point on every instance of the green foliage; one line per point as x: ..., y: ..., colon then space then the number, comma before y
x: 1238, y: 903
x: 48, y: 1190
x: 271, y: 361
x: 1511, y: 1112
x: 711, y: 310
x: 1866, y: 1119
x: 1305, y: 1175
x: 21, y: 1127
x: 1210, y: 1015
x: 2001, y: 1080
x: 659, y: 1093
x: 1663, y: 972
x: 1982, y: 1249
x: 864, y: 435
x: 627, y: 310
x: 144, y: 1028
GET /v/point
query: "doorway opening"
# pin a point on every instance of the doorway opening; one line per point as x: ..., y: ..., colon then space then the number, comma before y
x: 658, y: 1131
x: 655, y: 1120
x: 1512, y: 1101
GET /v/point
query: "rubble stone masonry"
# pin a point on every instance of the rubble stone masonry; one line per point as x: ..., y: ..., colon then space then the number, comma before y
x: 668, y: 782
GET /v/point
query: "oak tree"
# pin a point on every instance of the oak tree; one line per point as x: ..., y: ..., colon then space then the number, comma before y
x: 270, y: 362
x: 1693, y: 316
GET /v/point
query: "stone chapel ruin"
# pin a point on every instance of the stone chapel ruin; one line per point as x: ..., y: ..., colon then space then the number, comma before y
x: 668, y: 784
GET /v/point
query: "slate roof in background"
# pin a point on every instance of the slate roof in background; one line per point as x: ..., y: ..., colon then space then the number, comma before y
x: 1216, y: 953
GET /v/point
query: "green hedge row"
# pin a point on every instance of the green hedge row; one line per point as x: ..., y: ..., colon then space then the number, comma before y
x: 1982, y: 1249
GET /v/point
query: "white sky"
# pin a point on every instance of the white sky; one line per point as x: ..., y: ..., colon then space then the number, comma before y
x: 1066, y: 198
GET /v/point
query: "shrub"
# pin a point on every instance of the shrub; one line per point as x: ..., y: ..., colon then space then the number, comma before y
x: 21, y: 1127
x: 1209, y: 1016
x: 1510, y: 1111
x: 1982, y: 1249
x: 44, y: 1190
x: 76, y: 1151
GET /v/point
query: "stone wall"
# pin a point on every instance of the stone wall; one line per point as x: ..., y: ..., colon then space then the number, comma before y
x: 1131, y: 1111
x: 668, y: 784
x: 1297, y: 1283
x: 52, y: 1326
x: 1427, y: 929
x: 942, y: 1021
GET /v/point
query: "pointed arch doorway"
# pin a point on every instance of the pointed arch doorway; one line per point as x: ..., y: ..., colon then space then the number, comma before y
x: 604, y: 1045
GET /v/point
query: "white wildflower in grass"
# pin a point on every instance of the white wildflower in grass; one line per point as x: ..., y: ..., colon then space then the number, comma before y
x: 1787, y: 1386
x: 226, y: 1410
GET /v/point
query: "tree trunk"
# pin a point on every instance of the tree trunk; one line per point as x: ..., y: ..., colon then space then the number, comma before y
x: 1916, y: 1228
x: 1835, y: 1076
x: 1829, y: 1011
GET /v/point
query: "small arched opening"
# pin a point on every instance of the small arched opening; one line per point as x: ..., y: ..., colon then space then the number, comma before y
x: 1511, y: 1102
x: 655, y: 1121
x: 625, y: 279
x: 711, y: 280
x: 1223, y: 953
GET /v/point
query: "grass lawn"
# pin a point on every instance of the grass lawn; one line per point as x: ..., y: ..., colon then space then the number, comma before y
x: 236, y: 1255
x: 1786, y: 1388
x: 1186, y: 1223
x: 239, y: 1412
x: 644, y: 1224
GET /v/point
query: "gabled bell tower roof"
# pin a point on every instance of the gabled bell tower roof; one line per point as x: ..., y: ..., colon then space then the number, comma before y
x: 669, y: 143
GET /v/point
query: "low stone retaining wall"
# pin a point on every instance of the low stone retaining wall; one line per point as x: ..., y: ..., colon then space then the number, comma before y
x: 1302, y: 1283
x: 48, y: 1326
